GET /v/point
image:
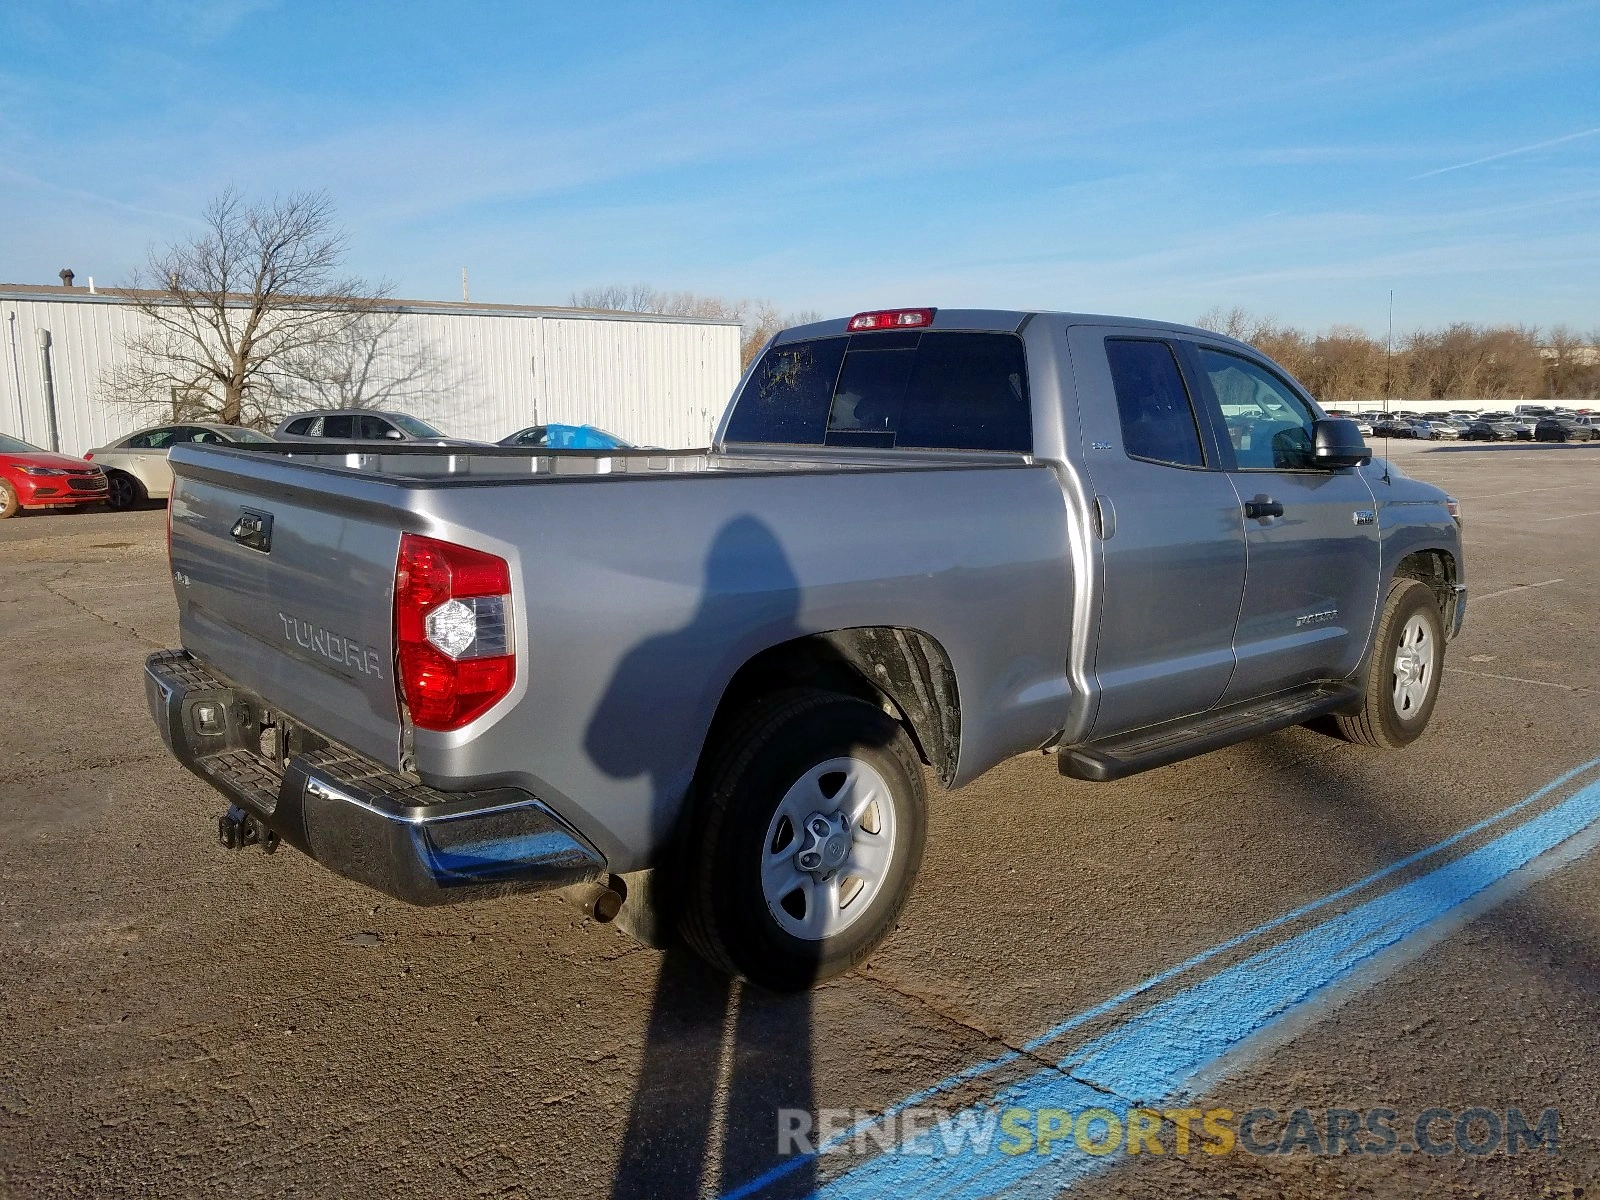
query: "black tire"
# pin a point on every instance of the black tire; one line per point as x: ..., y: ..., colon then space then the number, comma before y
x: 753, y: 765
x: 1380, y: 722
x: 124, y: 492
x: 10, y: 506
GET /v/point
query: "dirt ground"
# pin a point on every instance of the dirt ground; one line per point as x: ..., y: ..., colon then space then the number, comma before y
x: 181, y: 1020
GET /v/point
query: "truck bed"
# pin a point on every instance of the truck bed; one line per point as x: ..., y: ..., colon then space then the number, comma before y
x: 641, y: 580
x: 422, y: 463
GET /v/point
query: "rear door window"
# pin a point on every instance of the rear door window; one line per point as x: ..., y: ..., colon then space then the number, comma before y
x: 341, y: 427
x: 1158, y: 421
x: 933, y: 390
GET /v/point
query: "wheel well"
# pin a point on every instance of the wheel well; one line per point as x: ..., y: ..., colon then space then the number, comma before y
x: 902, y: 670
x: 1437, y: 569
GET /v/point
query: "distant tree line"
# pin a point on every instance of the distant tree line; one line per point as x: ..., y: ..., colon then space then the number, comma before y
x: 1459, y: 361
x: 760, y: 318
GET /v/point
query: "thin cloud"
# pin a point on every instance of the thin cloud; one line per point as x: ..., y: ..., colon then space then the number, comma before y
x: 1478, y: 162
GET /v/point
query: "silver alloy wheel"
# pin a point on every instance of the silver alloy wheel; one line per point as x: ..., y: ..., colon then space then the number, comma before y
x: 828, y: 848
x: 1413, y: 667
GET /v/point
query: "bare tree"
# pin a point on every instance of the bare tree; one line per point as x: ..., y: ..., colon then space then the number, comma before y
x: 256, y: 289
x: 370, y: 363
x: 1564, y: 354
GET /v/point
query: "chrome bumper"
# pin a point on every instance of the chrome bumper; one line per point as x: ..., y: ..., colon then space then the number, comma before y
x: 355, y: 816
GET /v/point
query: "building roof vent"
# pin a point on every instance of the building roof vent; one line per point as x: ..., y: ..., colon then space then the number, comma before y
x: 66, y: 276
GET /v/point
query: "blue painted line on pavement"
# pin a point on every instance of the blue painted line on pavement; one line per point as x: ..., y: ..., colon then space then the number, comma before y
x: 1147, y: 1060
x: 789, y: 1165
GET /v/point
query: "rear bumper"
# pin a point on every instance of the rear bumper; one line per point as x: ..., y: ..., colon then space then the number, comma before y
x: 355, y: 816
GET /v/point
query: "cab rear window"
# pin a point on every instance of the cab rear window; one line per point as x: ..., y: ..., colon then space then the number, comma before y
x: 924, y: 390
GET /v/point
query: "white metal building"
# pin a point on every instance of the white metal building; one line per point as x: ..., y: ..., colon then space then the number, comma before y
x: 658, y: 381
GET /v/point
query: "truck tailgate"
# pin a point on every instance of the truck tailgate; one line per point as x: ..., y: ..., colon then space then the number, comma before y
x: 288, y: 591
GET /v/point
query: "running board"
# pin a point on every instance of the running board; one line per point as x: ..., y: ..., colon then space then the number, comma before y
x: 1160, y: 745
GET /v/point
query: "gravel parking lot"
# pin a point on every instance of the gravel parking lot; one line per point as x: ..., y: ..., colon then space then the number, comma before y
x: 181, y: 1020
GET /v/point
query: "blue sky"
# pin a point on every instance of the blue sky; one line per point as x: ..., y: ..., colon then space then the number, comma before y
x: 1151, y: 159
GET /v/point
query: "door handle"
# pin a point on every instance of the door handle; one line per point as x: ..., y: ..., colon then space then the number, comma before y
x: 1262, y: 507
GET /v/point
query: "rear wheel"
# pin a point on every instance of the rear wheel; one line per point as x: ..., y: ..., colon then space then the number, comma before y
x: 123, y: 491
x: 806, y: 839
x: 10, y: 506
x: 1403, y: 672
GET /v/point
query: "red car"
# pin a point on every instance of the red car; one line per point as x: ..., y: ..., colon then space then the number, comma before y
x: 35, y: 478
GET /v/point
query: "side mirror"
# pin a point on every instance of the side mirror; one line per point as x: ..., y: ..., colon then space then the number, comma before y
x: 1337, y: 442
x: 394, y: 435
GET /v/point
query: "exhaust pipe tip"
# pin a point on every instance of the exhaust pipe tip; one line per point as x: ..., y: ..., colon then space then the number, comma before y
x: 600, y: 900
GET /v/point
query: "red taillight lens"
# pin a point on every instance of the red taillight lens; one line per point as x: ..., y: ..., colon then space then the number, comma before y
x: 452, y: 629
x: 89, y: 457
x: 891, y: 318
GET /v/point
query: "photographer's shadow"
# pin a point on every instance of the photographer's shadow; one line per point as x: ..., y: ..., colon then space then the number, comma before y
x: 721, y: 1057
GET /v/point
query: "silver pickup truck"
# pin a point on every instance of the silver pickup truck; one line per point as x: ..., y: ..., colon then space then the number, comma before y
x: 706, y: 685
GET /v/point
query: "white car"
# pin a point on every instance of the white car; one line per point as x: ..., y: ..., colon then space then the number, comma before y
x: 136, y: 466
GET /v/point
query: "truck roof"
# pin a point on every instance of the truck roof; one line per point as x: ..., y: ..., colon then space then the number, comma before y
x: 1002, y: 320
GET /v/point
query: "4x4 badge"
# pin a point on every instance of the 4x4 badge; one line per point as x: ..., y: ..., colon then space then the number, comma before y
x: 1365, y: 516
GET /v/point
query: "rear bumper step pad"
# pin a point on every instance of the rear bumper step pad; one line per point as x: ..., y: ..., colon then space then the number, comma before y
x: 355, y: 816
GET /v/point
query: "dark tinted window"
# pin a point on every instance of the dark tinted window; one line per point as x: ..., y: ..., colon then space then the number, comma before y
x: 788, y: 394
x: 1157, y: 418
x: 373, y: 428
x: 343, y: 428
x: 969, y: 391
x: 302, y: 427
x: 872, y: 389
x: 956, y: 391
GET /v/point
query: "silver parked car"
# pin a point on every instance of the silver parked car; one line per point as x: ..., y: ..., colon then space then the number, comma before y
x: 136, y: 466
x: 359, y: 425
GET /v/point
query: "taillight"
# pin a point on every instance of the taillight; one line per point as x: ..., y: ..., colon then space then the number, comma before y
x: 452, y: 630
x: 89, y: 457
x: 891, y: 318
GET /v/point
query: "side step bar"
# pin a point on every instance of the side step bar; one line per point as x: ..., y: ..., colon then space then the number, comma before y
x: 1160, y: 745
